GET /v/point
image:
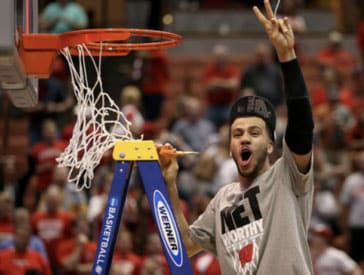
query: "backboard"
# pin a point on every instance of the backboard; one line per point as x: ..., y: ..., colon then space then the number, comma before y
x: 14, y: 15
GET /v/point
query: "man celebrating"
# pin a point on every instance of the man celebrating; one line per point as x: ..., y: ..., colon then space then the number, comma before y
x: 259, y: 225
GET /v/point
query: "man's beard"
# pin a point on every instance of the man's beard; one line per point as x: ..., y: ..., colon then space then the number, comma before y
x: 261, y: 158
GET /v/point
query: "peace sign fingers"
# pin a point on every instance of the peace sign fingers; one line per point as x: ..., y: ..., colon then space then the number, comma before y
x: 278, y: 30
x: 261, y: 17
x: 268, y: 9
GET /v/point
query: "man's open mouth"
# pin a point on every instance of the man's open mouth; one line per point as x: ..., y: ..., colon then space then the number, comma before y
x: 245, y: 155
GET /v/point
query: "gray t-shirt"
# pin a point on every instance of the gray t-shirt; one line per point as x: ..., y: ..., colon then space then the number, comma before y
x: 261, y: 229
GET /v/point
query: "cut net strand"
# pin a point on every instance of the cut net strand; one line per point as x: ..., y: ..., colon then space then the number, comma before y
x: 99, y: 120
x: 276, y: 8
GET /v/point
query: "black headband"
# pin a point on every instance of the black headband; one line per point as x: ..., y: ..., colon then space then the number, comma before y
x: 254, y: 106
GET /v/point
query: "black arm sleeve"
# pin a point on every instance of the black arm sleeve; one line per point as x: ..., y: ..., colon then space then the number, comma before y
x: 300, y: 124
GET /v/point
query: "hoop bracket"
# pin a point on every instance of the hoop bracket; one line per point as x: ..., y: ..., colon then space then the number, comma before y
x: 132, y: 150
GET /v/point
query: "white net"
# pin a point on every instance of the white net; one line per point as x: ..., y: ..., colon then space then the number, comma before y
x: 99, y: 120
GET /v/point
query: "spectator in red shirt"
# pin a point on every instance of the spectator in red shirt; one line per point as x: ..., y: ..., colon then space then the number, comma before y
x: 325, y: 257
x: 52, y: 225
x: 45, y: 153
x: 334, y: 54
x: 154, y: 77
x: 220, y: 80
x: 21, y: 218
x: 125, y: 261
x: 329, y: 79
x: 154, y: 261
x: 75, y: 255
x: 21, y: 259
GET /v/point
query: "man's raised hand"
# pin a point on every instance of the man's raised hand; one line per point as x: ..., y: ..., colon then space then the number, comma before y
x: 279, y: 31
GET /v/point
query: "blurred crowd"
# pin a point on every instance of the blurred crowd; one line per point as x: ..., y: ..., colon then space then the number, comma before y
x: 49, y: 227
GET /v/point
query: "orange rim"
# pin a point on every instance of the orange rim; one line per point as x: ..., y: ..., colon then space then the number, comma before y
x: 41, y: 48
x: 93, y: 37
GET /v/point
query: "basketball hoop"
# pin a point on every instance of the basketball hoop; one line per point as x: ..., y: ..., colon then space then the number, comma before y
x: 100, y: 123
x: 37, y: 50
